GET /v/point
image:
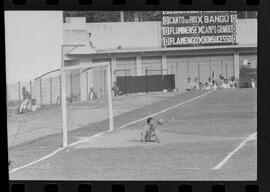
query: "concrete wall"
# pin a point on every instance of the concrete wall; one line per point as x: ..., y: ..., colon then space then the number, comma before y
x: 138, y: 34
x: 126, y: 35
x: 113, y: 35
x: 78, y: 36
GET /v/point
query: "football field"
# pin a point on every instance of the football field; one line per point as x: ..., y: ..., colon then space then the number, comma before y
x: 207, y: 135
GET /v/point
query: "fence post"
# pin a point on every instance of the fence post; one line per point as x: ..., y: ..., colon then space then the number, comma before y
x: 109, y: 97
x: 111, y: 71
x: 222, y: 72
x: 40, y: 90
x: 226, y: 70
x: 104, y: 80
x: 71, y: 91
x: 162, y: 79
x: 19, y: 91
x: 86, y: 84
x: 126, y: 81
x: 176, y: 76
x: 187, y: 68
x: 210, y: 68
x: 199, y: 75
x: 171, y: 86
x: 51, y: 90
x: 60, y: 94
x: 101, y: 92
x: 130, y: 84
x: 146, y: 79
x: 30, y: 86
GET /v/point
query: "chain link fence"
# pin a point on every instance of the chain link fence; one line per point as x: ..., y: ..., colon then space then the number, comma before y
x: 47, y: 90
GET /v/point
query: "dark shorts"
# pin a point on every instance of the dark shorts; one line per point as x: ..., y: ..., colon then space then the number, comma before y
x: 149, y: 135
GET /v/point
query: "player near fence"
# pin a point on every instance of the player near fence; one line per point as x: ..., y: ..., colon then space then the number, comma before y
x: 26, y: 104
x: 116, y: 90
x: 149, y: 133
x: 35, y: 106
x: 190, y: 84
x: 92, y: 94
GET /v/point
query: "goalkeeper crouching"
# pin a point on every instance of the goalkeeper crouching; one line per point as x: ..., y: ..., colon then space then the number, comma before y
x: 149, y: 133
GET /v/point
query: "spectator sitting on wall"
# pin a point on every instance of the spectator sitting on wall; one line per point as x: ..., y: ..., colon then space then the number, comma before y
x: 70, y: 98
x: 221, y: 76
x: 90, y: 41
x: 92, y: 94
x: 232, y: 82
x: 221, y: 84
x: 116, y: 90
x: 214, y: 84
x: 206, y: 86
x: 220, y: 81
x: 26, y: 104
x: 209, y: 80
x: 196, y: 85
x: 35, y: 106
x: 253, y: 83
x: 200, y: 85
x: 225, y: 84
x: 190, y: 85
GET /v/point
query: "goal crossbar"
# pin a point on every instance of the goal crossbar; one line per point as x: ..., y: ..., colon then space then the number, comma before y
x: 84, y: 66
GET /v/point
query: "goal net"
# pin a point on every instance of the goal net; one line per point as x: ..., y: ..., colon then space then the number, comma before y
x: 87, y: 109
x: 73, y: 103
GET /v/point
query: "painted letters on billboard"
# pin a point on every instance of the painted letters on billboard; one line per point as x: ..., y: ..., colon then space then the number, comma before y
x: 198, y: 28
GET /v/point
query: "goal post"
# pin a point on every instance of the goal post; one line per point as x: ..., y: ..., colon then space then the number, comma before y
x: 109, y: 89
x: 63, y: 71
x: 63, y: 99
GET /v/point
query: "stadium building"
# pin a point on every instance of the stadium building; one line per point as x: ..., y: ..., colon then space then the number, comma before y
x: 135, y: 49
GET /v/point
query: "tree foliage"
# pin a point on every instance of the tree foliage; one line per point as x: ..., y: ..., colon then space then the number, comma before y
x: 130, y: 16
x: 114, y: 16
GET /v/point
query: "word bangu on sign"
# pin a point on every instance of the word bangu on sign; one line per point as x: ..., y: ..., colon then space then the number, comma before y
x: 168, y: 20
x: 199, y: 28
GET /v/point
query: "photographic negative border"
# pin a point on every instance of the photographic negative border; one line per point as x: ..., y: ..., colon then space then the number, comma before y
x: 263, y: 103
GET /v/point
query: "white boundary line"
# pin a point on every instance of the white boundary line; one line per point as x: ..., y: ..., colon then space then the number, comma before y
x: 164, y: 110
x: 34, y: 162
x: 102, y: 133
x: 242, y: 144
x: 53, y: 153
